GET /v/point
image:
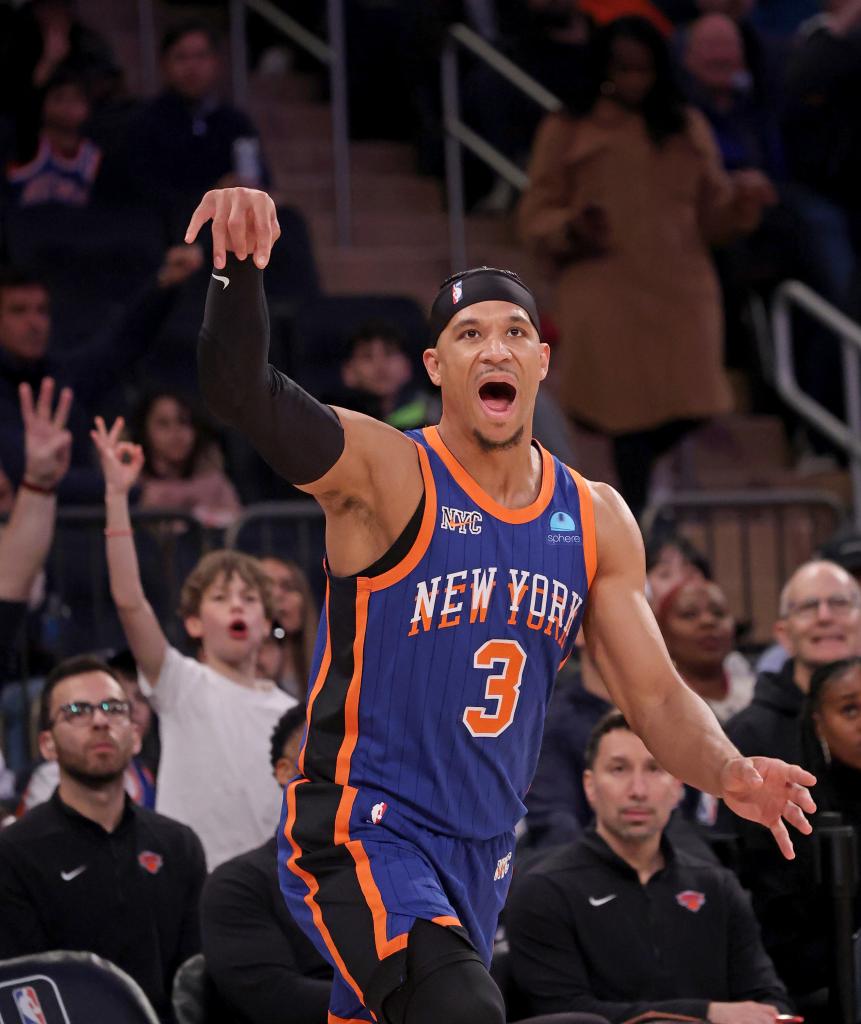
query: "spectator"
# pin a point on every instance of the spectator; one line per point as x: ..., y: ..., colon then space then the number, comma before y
x: 138, y: 778
x: 556, y: 804
x: 622, y: 923
x: 27, y: 537
x: 94, y: 370
x: 66, y: 163
x: 790, y: 902
x: 699, y: 631
x: 183, y: 468
x: 669, y: 560
x: 39, y: 40
x: 212, y: 708
x: 89, y: 870
x: 187, y: 139
x: 625, y: 197
x: 287, y: 652
x: 820, y: 622
x: 264, y: 967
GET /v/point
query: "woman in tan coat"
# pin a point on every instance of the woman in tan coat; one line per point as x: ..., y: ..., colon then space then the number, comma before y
x: 625, y: 199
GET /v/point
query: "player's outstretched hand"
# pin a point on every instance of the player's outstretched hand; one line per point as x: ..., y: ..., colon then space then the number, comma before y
x: 770, y: 792
x: 121, y: 461
x: 47, y: 442
x: 244, y: 222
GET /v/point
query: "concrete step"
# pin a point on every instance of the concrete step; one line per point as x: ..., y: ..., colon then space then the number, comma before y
x: 393, y: 270
x: 314, y: 193
x: 399, y: 227
x: 315, y: 156
x: 298, y: 122
x: 267, y: 91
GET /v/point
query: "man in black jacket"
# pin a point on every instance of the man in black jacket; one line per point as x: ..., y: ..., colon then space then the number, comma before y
x: 263, y: 965
x: 89, y: 870
x: 621, y: 922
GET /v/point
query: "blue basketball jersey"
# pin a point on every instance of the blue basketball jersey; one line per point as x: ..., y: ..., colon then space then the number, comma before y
x: 431, y: 679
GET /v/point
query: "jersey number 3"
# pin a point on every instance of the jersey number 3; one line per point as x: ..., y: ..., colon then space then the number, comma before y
x: 502, y: 687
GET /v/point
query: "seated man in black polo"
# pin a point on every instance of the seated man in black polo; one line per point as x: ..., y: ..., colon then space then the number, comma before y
x: 620, y: 923
x: 89, y: 870
x: 263, y: 965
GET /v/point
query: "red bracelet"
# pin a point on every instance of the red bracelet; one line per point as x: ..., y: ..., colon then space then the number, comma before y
x: 118, y: 533
x: 37, y: 488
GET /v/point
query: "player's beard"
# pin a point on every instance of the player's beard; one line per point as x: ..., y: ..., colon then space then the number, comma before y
x: 488, y: 445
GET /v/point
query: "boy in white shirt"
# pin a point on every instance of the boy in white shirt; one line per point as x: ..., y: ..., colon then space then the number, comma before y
x: 214, y: 774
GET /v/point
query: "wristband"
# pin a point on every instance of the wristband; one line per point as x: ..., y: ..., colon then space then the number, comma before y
x: 37, y: 488
x: 109, y: 532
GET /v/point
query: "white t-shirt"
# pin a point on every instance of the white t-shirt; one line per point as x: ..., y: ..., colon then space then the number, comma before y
x: 214, y: 773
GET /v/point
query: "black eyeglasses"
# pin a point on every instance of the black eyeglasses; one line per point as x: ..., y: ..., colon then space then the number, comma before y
x: 82, y: 711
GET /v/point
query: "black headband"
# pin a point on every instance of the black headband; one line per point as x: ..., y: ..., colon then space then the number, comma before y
x: 483, y: 284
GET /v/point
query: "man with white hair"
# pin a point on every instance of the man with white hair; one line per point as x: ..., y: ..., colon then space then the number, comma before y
x: 819, y: 621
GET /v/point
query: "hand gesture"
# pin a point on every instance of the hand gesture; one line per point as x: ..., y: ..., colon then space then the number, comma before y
x: 47, y: 443
x: 121, y: 461
x: 244, y: 222
x: 768, y: 791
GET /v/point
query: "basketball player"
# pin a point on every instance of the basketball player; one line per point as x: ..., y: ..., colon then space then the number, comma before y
x: 461, y: 561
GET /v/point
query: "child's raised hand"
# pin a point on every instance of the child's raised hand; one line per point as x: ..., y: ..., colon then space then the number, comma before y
x: 121, y: 461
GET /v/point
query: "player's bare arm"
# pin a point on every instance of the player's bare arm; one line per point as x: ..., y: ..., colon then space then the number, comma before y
x: 677, y: 726
x: 364, y: 473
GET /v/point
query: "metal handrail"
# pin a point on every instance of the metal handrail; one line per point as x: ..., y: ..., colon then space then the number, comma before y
x: 459, y: 136
x: 846, y: 435
x: 301, y: 510
x: 333, y: 54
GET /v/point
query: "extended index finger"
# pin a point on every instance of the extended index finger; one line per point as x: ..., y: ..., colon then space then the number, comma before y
x: 204, y: 212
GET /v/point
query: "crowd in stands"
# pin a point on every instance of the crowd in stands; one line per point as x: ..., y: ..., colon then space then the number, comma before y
x: 706, y: 149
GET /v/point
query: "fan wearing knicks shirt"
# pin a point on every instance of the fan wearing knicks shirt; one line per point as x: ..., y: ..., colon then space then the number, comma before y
x: 623, y: 921
x: 461, y: 561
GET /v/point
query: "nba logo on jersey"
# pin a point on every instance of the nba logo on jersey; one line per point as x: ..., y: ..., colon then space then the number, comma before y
x: 377, y: 812
x: 456, y: 292
x: 28, y: 1005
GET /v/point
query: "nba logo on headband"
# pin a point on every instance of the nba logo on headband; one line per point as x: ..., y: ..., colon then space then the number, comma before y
x: 456, y: 292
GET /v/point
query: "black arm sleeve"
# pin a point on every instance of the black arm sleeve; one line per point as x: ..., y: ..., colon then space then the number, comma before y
x: 298, y: 436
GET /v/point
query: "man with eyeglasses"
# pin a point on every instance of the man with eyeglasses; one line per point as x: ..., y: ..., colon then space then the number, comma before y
x: 90, y: 870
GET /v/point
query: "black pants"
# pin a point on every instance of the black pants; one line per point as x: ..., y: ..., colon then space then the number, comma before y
x: 447, y: 983
x: 636, y: 453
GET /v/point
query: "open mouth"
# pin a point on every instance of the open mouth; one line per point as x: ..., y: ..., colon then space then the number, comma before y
x: 497, y: 396
x: 238, y: 630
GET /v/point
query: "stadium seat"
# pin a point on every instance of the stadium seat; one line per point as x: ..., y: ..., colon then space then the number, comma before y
x: 70, y: 988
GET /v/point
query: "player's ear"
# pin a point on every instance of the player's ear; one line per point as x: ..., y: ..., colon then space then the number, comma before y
x: 430, y: 357
x: 545, y: 359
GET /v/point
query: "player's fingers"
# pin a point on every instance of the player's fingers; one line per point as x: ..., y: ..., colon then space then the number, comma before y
x: 25, y: 396
x: 219, y: 230
x: 798, y: 775
x: 236, y: 227
x: 45, y: 398
x: 795, y: 816
x: 64, y: 405
x: 203, y: 213
x: 801, y: 795
x: 782, y: 839
x: 263, y: 214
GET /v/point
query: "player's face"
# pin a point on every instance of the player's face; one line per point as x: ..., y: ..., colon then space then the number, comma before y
x: 170, y: 432
x: 698, y: 628
x: 631, y: 795
x: 25, y: 321
x: 191, y: 67
x: 838, y: 720
x: 231, y: 623
x: 488, y: 362
x: 823, y: 617
x: 92, y: 749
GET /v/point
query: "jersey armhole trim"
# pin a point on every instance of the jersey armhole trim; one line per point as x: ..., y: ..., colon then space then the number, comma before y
x: 587, y: 522
x: 412, y: 558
